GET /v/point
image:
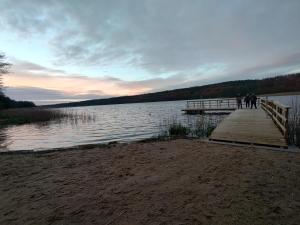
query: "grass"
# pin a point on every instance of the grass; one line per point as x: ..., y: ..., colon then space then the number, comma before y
x: 38, y: 115
x: 178, y: 129
x: 294, y: 122
x: 201, y: 127
x: 204, y: 127
x: 28, y: 115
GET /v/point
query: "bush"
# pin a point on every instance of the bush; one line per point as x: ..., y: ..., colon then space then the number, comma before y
x: 178, y: 129
x: 209, y: 130
x: 200, y: 126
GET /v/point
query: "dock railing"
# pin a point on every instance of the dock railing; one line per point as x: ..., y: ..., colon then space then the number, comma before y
x: 212, y: 104
x: 279, y: 113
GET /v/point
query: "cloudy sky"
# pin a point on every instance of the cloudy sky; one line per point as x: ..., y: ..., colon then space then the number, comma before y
x: 67, y: 50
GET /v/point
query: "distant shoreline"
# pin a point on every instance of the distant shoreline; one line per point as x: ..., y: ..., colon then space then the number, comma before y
x: 260, y: 95
x: 282, y: 94
x: 228, y: 89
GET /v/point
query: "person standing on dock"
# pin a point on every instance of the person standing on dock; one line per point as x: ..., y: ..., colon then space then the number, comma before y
x: 239, y: 101
x: 253, y: 99
x: 247, y: 100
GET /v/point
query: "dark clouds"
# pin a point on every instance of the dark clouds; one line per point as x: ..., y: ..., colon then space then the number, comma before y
x: 161, y: 36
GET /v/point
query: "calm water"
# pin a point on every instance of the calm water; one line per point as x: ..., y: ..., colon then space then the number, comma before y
x: 123, y: 123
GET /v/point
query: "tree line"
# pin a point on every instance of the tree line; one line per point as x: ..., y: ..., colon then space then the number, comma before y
x: 6, y: 102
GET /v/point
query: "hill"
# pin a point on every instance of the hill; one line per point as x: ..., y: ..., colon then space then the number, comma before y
x: 284, y: 83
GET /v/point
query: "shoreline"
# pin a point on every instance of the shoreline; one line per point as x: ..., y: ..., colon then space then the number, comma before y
x: 292, y: 148
x: 92, y: 146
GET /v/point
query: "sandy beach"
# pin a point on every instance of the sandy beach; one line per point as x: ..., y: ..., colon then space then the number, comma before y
x: 170, y: 182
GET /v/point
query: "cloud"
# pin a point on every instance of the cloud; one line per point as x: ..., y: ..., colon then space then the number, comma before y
x: 25, y: 66
x: 29, y: 81
x: 80, y: 84
x: 32, y: 82
x: 45, y: 96
x: 160, y: 36
x: 178, y: 43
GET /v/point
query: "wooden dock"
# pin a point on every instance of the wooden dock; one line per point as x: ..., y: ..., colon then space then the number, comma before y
x: 265, y: 126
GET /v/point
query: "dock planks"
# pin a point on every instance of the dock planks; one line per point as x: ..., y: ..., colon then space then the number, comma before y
x: 249, y: 126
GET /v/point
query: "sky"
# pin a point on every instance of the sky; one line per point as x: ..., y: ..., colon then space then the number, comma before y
x: 70, y: 50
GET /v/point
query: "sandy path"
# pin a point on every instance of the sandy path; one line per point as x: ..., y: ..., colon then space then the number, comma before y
x: 175, y: 182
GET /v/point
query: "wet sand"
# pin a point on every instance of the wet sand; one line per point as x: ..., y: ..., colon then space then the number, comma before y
x: 171, y: 182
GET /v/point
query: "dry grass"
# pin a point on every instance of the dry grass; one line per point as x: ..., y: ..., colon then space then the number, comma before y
x: 294, y: 122
x: 39, y: 115
x: 201, y: 126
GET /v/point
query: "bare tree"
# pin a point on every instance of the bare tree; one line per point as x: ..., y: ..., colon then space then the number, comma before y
x: 3, y: 69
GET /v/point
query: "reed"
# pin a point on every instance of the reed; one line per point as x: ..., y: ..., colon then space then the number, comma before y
x: 40, y: 115
x: 294, y: 122
x: 204, y: 126
x: 200, y: 127
x: 177, y: 129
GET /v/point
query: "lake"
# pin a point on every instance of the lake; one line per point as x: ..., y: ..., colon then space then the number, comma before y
x: 122, y: 123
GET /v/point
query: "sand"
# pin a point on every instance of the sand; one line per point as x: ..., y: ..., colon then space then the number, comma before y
x: 171, y: 182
